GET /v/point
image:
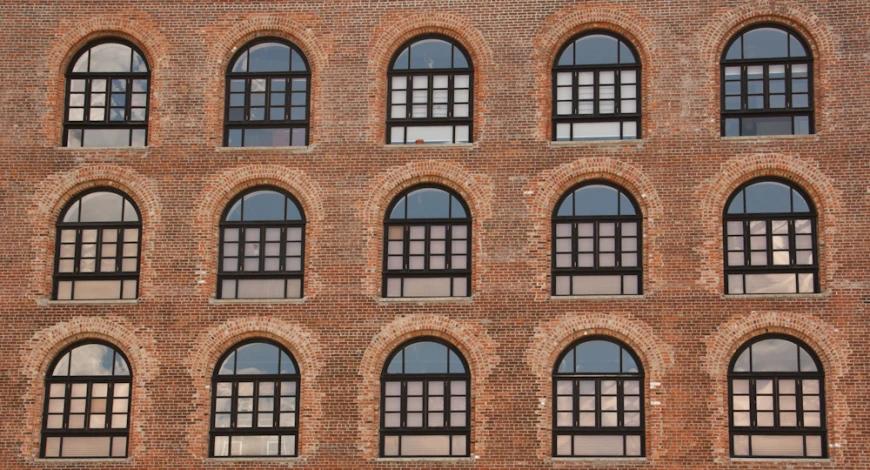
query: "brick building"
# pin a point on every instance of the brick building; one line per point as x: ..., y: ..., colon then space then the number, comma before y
x: 705, y: 326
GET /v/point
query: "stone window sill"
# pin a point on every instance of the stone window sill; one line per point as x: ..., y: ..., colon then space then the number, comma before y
x: 256, y: 460
x: 596, y: 297
x: 614, y: 460
x: 286, y: 149
x: 763, y: 138
x: 427, y: 459
x: 423, y: 300
x: 84, y: 462
x: 469, y: 145
x: 817, y: 295
x: 214, y: 301
x: 603, y: 142
x: 774, y: 460
x: 103, y: 149
x: 53, y: 303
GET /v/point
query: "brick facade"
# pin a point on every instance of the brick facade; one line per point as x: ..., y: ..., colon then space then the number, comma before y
x: 511, y: 330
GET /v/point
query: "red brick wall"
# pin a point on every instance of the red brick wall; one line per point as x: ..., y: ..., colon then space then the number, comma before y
x: 511, y: 331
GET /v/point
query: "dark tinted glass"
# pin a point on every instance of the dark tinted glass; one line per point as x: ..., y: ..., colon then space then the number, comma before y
x: 257, y: 358
x: 269, y: 57
x: 597, y: 49
x: 431, y: 54
x: 598, y: 357
x: 778, y: 125
x: 764, y: 43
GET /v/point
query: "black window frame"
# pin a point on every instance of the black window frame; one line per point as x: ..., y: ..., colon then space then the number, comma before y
x: 449, y: 222
x: 620, y: 378
x: 267, y: 123
x: 618, y: 220
x: 262, y: 225
x: 256, y: 379
x: 451, y: 72
x: 128, y: 77
x: 788, y: 111
x: 768, y: 218
x: 821, y: 431
x: 617, y: 68
x: 121, y: 226
x: 90, y: 380
x: 423, y: 430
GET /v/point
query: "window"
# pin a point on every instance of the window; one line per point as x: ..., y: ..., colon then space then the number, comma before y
x: 255, y: 402
x: 262, y: 246
x: 777, y: 400
x: 87, y: 403
x: 97, y: 251
x: 598, y: 401
x: 767, y: 83
x: 427, y: 245
x: 424, y: 401
x: 597, y: 242
x: 770, y: 242
x: 107, y: 88
x: 596, y: 89
x: 430, y: 93
x: 268, y: 96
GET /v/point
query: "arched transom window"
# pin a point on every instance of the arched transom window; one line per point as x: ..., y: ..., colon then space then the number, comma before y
x: 767, y: 83
x: 770, y: 240
x: 268, y: 96
x: 596, y: 89
x: 255, y: 402
x: 262, y: 246
x: 427, y: 245
x: 430, y: 93
x: 425, y: 401
x: 777, y: 400
x: 597, y: 242
x: 97, y: 251
x: 107, y: 87
x: 87, y: 403
x: 598, y: 401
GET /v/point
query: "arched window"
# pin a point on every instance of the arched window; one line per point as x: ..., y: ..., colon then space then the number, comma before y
x: 777, y: 400
x: 97, y: 251
x: 87, y: 403
x: 268, y: 96
x: 427, y: 240
x: 596, y: 89
x: 262, y: 246
x: 107, y: 88
x: 430, y: 93
x: 425, y: 401
x: 255, y: 402
x: 770, y: 240
x: 597, y: 242
x: 598, y: 401
x: 767, y: 83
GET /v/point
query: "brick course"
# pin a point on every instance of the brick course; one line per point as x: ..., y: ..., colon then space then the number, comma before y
x: 683, y: 328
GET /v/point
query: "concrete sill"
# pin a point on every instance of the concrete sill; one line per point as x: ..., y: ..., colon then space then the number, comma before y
x: 214, y: 301
x: 596, y: 297
x: 84, y: 461
x: 763, y: 138
x: 432, y: 146
x: 423, y: 300
x: 819, y: 295
x: 605, y: 142
x: 297, y: 149
x: 258, y: 460
x: 614, y: 460
x: 54, y: 303
x: 427, y: 459
x: 780, y: 460
x: 103, y: 149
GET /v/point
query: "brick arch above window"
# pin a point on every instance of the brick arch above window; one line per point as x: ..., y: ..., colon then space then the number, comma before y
x: 63, y: 51
x: 59, y: 189
x: 571, y: 22
x: 716, y: 191
x: 394, y: 31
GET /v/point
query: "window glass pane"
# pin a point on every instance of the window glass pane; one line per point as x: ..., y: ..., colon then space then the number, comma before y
x: 426, y: 357
x: 597, y: 49
x: 765, y: 43
x: 777, y: 446
x: 257, y: 358
x: 428, y: 203
x: 596, y: 200
x: 598, y: 356
x: 768, y: 197
x: 269, y: 57
x: 755, y: 126
x: 774, y: 355
x: 597, y: 285
x: 431, y: 54
x: 425, y: 445
x: 102, y: 206
x: 595, y: 445
x: 110, y: 57
x: 427, y: 287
